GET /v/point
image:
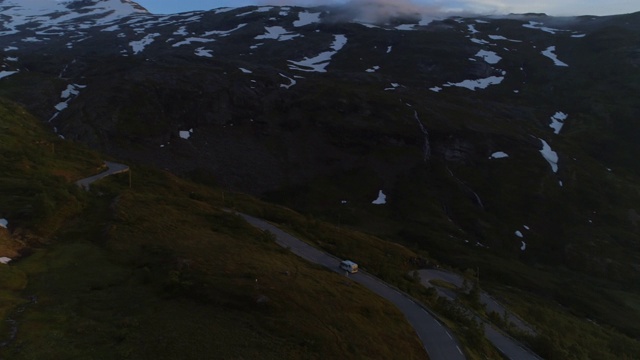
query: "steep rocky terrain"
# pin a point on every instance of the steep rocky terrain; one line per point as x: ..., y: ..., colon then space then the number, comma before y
x: 508, y: 138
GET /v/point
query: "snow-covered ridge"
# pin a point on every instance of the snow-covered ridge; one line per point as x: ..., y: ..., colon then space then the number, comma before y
x: 42, y: 15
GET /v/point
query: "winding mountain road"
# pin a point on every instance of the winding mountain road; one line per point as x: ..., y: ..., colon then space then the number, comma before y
x: 112, y: 169
x: 505, y: 344
x: 437, y: 340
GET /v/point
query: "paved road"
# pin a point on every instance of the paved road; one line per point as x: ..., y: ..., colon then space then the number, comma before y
x: 490, y: 303
x: 112, y: 168
x: 437, y: 340
x: 508, y: 346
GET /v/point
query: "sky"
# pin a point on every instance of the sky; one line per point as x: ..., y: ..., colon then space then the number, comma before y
x: 493, y: 7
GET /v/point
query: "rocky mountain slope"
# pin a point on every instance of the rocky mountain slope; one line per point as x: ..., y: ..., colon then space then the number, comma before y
x: 512, y: 136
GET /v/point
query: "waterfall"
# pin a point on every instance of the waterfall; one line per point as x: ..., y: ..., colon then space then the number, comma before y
x: 426, y: 151
x: 478, y: 200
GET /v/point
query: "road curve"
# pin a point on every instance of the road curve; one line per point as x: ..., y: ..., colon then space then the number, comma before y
x: 505, y: 344
x: 437, y: 340
x: 112, y: 169
x: 492, y: 305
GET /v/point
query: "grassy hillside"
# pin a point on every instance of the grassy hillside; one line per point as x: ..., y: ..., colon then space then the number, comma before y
x: 158, y: 271
x: 38, y: 169
x: 585, y: 311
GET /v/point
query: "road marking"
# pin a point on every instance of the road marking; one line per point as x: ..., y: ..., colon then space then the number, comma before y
x: 449, y: 335
x: 457, y: 347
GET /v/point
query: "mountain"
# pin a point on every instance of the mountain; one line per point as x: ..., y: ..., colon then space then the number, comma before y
x: 498, y: 142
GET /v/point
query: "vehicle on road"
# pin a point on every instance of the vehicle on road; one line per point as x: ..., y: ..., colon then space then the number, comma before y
x: 348, y: 265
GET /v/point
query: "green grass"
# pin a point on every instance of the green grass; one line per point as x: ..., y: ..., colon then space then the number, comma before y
x: 171, y: 277
x: 176, y: 275
x: 387, y: 260
x: 37, y: 170
x: 159, y: 271
x: 564, y: 335
x: 406, y: 220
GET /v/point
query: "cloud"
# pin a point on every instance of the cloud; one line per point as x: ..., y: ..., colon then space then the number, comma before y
x: 381, y: 9
x: 376, y: 11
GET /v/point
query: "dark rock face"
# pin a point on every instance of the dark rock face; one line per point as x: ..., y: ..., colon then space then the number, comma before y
x: 315, y: 109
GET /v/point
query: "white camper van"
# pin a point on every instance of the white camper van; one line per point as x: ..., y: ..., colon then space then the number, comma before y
x: 350, y: 266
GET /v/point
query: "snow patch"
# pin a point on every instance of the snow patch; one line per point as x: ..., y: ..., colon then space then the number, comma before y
x: 246, y: 71
x: 472, y: 29
x: 71, y: 90
x: 436, y: 89
x: 389, y: 49
x: 477, y: 84
x: 320, y: 62
x: 138, y: 46
x: 540, y: 26
x: 393, y: 87
x: 551, y: 55
x: 277, y: 33
x: 186, y: 134
x: 4, y: 223
x: 223, y: 33
x: 557, y: 121
x: 479, y: 41
x: 381, y: 200
x: 61, y: 106
x: 190, y: 40
x: 500, y: 37
x: 306, y: 18
x: 31, y: 39
x: 549, y: 155
x: 373, y: 69
x: 261, y: 9
x: 523, y: 247
x: 519, y: 234
x: 291, y: 82
x: 499, y: 155
x: 204, y: 52
x: 489, y: 56
x: 223, y: 10
x: 182, y: 31
x: 111, y: 28
x: 4, y: 260
x: 4, y: 74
